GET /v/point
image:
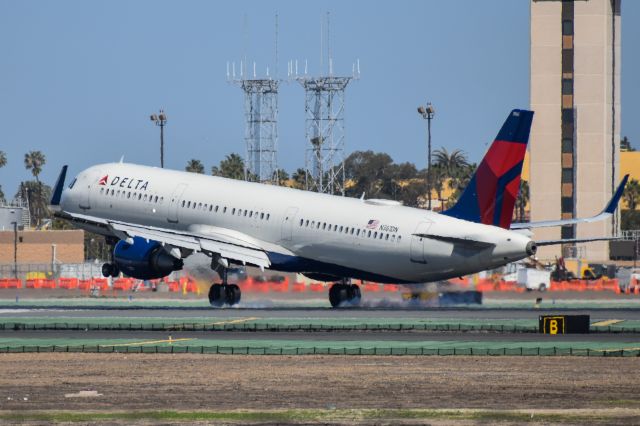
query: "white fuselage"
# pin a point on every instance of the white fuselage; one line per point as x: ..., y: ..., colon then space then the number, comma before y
x: 301, y: 231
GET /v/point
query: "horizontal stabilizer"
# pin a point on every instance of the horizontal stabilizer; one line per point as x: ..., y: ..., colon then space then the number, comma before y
x: 457, y: 240
x: 574, y: 241
x: 606, y: 213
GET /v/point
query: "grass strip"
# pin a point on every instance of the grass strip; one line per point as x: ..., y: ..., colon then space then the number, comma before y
x: 332, y: 415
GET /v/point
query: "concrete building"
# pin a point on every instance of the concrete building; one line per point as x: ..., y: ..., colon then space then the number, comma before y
x: 575, y: 138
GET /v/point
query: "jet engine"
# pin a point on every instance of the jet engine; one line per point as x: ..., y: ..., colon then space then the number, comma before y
x: 145, y: 260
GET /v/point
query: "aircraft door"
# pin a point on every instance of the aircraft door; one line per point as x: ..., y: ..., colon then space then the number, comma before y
x: 417, y: 242
x: 174, y: 203
x: 287, y: 223
x: 85, y: 184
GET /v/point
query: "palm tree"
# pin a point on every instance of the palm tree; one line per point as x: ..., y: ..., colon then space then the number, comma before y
x: 522, y: 200
x: 232, y: 167
x: 34, y: 161
x: 631, y: 194
x: 195, y: 166
x: 452, y: 163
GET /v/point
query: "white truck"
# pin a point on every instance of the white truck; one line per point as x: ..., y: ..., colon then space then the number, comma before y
x: 534, y: 279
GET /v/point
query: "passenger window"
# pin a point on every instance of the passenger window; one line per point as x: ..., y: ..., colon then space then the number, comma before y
x: 262, y: 215
x: 233, y: 211
x: 301, y: 222
x: 128, y: 194
x: 216, y: 209
x: 224, y: 210
x: 101, y: 190
x: 340, y: 228
x: 268, y: 214
x: 357, y: 232
x: 369, y: 234
x: 245, y: 213
x: 399, y: 237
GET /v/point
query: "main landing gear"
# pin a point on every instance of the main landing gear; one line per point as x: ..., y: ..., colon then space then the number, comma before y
x: 219, y: 294
x: 344, y: 294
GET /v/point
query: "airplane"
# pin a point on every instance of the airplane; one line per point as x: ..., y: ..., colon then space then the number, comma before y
x: 154, y: 218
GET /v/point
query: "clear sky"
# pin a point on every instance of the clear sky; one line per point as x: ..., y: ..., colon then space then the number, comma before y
x: 78, y: 79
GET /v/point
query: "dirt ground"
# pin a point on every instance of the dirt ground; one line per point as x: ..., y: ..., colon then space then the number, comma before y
x: 215, y: 382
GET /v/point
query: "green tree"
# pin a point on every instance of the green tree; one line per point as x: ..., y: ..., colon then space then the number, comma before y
x: 231, y: 167
x: 625, y: 145
x: 195, y: 166
x: 299, y: 178
x: 631, y: 194
x: 283, y: 177
x: 522, y: 201
x: 38, y: 196
x: 370, y: 173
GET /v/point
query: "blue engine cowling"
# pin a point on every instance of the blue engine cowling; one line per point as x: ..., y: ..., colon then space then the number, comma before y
x: 144, y: 260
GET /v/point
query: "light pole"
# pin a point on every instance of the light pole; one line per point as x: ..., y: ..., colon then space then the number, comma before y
x: 15, y: 249
x: 427, y: 113
x: 160, y: 120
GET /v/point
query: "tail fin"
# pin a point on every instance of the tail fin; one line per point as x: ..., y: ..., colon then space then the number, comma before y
x: 491, y: 194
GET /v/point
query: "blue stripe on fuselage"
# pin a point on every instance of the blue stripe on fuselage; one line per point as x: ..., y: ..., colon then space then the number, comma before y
x: 285, y: 263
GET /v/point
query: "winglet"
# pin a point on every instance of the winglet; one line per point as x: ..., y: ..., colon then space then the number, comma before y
x: 613, y: 203
x: 57, y: 189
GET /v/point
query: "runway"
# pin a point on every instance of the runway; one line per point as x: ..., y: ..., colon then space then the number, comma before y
x: 320, y: 337
x: 318, y: 313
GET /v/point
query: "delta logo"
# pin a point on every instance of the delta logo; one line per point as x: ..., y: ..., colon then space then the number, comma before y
x: 125, y: 182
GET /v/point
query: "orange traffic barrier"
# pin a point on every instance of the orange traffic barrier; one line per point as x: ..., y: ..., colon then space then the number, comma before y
x: 390, y: 287
x: 68, y: 283
x: 124, y: 284
x: 34, y: 283
x: 10, y: 283
x: 173, y: 286
x: 279, y: 287
x: 371, y: 287
x: 316, y: 287
x: 100, y: 283
x: 298, y: 287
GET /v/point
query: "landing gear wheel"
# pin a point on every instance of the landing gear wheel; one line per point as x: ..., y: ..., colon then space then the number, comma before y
x: 355, y: 294
x: 340, y: 294
x: 219, y: 294
x: 233, y: 294
x: 216, y: 295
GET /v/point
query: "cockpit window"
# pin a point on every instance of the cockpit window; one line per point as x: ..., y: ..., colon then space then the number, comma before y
x: 73, y: 182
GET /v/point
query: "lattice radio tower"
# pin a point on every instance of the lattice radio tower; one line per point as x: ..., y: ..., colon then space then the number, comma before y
x: 324, y: 125
x: 261, y: 119
x: 261, y: 124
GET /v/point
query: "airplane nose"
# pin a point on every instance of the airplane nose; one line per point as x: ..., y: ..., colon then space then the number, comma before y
x: 532, y: 248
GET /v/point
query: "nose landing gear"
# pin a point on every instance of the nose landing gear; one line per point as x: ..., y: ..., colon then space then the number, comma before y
x: 344, y: 294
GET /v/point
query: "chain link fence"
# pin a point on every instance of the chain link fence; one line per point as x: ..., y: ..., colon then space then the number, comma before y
x: 248, y: 350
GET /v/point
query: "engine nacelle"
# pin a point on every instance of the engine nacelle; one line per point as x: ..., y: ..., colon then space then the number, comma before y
x: 145, y: 260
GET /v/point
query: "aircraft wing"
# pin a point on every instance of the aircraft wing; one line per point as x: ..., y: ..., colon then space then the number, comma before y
x: 606, y: 213
x: 227, y: 243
